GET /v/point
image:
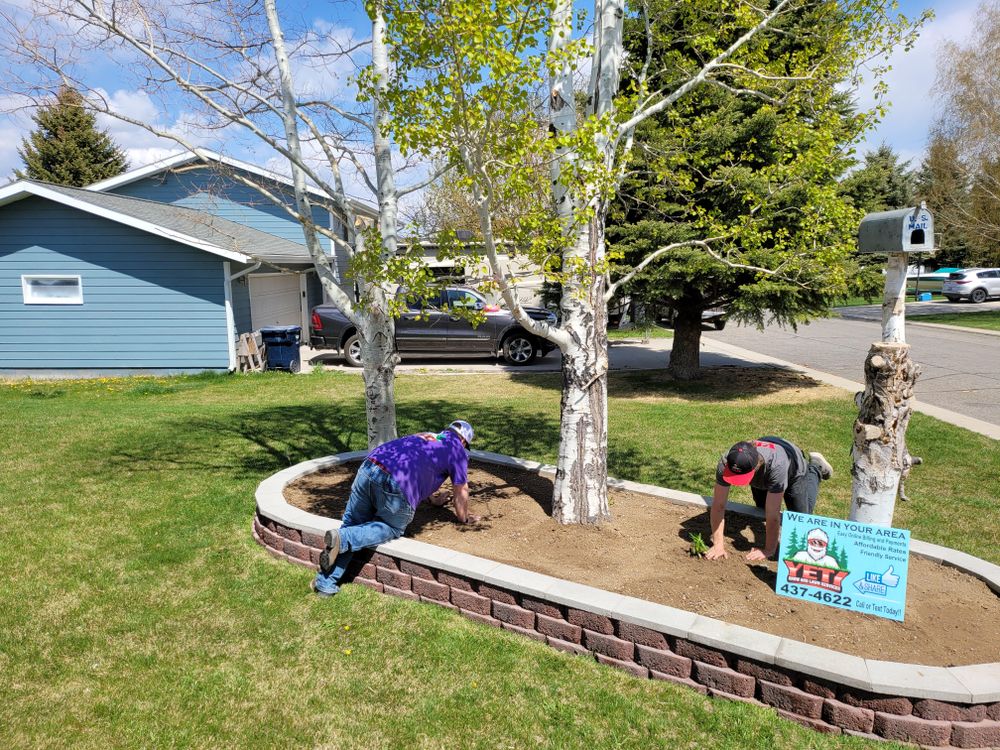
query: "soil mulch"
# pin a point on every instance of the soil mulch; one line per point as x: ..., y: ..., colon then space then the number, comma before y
x: 951, y: 618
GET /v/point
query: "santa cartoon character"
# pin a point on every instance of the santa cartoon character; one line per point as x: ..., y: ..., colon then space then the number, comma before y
x: 815, y: 551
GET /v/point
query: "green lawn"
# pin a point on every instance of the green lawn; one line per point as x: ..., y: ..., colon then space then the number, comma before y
x: 648, y: 332
x: 989, y: 320
x: 136, y: 611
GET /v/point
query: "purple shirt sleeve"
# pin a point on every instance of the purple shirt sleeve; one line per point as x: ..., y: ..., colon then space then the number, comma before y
x: 459, y: 463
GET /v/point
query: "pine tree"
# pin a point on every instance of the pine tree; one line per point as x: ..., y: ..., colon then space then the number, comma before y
x: 794, y: 546
x: 66, y: 146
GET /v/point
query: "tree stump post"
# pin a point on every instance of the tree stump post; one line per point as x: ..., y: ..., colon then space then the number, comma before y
x: 879, y: 453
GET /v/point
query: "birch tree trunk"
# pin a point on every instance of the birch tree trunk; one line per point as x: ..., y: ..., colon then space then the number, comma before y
x: 581, y: 488
x: 879, y: 452
x: 374, y: 324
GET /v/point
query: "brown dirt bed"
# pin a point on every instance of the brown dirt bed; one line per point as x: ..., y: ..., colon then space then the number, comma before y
x: 951, y: 618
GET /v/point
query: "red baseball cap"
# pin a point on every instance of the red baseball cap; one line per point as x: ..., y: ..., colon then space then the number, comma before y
x: 740, y: 464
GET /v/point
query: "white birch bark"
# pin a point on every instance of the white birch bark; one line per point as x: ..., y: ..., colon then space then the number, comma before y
x: 894, y: 300
x: 879, y: 453
x: 374, y: 324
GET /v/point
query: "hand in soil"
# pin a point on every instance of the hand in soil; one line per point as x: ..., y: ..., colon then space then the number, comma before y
x: 473, y: 519
x: 755, y: 555
x: 718, y: 551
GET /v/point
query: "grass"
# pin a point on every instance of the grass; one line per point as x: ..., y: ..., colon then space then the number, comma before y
x: 640, y: 332
x: 137, y: 612
x: 989, y: 320
x: 877, y: 300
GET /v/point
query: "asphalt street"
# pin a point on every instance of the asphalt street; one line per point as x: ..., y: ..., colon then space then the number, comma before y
x: 960, y: 368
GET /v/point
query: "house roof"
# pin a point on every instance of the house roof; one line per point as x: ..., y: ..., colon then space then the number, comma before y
x: 189, y: 157
x: 188, y: 226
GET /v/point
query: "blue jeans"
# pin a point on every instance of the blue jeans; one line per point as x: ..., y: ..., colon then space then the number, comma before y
x: 376, y: 512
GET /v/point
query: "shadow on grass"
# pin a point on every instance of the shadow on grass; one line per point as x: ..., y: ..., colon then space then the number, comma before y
x: 255, y: 442
x: 716, y: 384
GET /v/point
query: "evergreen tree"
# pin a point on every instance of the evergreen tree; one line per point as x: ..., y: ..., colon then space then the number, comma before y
x: 884, y: 183
x: 66, y: 146
x: 761, y: 175
x: 794, y: 546
x: 943, y: 185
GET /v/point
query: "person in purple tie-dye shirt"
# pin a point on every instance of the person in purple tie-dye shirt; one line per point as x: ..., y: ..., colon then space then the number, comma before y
x: 395, y: 478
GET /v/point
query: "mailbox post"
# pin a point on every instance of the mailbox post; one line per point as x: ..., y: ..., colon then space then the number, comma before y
x: 880, y: 458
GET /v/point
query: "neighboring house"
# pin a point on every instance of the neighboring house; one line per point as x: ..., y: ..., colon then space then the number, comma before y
x: 157, y: 270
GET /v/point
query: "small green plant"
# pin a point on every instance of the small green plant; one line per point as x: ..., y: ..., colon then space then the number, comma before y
x: 698, y: 546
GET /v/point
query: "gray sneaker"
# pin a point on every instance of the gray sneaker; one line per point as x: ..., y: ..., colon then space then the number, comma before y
x: 817, y: 460
x: 329, y: 555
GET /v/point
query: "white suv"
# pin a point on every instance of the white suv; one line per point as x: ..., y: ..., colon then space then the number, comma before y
x: 975, y: 284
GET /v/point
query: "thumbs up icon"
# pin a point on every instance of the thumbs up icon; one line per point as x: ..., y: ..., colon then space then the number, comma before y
x: 889, y: 578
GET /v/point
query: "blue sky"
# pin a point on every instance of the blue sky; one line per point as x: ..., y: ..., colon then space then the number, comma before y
x: 904, y: 128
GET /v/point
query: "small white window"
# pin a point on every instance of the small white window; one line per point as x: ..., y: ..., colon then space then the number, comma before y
x: 52, y: 290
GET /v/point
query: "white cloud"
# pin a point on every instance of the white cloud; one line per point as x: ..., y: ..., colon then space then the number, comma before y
x: 912, y: 106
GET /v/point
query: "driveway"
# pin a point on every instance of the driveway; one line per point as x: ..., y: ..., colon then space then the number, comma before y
x: 916, y: 309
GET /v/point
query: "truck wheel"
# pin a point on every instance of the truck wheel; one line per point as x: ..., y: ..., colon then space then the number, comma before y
x: 518, y: 350
x: 352, y: 350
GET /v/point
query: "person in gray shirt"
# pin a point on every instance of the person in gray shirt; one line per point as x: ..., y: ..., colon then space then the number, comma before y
x: 774, y: 469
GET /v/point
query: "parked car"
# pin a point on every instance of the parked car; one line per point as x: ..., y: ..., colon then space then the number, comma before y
x: 429, y: 328
x: 713, y: 316
x: 975, y: 284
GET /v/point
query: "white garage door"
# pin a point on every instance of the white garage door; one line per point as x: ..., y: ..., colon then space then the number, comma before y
x: 275, y: 300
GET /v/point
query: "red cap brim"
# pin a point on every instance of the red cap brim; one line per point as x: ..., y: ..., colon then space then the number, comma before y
x: 739, y: 480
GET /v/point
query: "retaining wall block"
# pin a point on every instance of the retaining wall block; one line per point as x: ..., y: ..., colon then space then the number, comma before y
x: 455, y: 582
x: 993, y: 711
x: 417, y: 571
x: 941, y: 711
x: 477, y: 617
x: 818, y: 687
x: 497, y: 595
x: 271, y: 539
x: 663, y: 661
x: 370, y: 583
x: 590, y: 621
x: 792, y: 699
x: 431, y: 590
x: 514, y: 615
x: 527, y: 632
x: 384, y: 561
x: 848, y: 717
x: 700, y: 653
x: 878, y: 703
x: 401, y: 593
x: 314, y: 556
x: 761, y: 671
x: 626, y: 666
x: 912, y: 729
x: 472, y: 602
x: 392, y: 577
x: 312, y: 539
x: 567, y: 646
x: 446, y: 605
x: 298, y: 551
x: 541, y: 607
x: 817, y: 725
x: 292, y: 535
x: 559, y: 628
x: 976, y: 734
x: 724, y: 679
x: 608, y: 645
x: 640, y: 635
x: 367, y: 571
x: 301, y: 563
x: 685, y: 681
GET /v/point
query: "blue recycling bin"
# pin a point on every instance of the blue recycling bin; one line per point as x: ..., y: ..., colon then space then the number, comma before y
x: 924, y: 297
x: 282, y: 347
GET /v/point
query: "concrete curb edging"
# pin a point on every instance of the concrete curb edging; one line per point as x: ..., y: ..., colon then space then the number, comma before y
x: 820, y: 688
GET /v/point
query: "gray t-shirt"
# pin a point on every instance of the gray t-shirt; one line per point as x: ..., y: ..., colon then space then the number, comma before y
x: 783, y: 463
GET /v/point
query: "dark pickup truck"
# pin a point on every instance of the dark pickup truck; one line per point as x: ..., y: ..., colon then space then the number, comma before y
x: 431, y: 329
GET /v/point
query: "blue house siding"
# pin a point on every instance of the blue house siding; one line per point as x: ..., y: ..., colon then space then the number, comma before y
x: 148, y: 303
x: 218, y: 195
